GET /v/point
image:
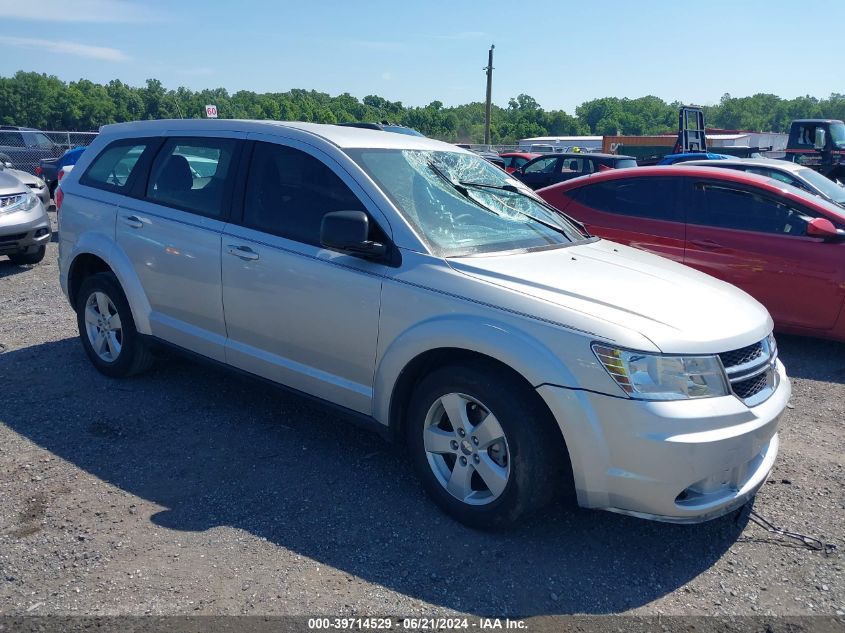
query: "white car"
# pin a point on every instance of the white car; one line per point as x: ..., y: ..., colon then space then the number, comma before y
x: 35, y: 184
x: 419, y: 289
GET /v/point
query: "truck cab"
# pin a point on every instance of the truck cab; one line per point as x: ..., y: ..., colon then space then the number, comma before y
x: 818, y: 144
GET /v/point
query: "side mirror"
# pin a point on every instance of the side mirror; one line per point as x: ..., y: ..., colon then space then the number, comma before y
x: 820, y: 138
x: 347, y: 232
x: 822, y: 227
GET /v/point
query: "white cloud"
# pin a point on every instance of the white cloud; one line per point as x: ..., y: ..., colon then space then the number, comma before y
x: 97, y: 11
x: 386, y: 76
x: 66, y: 48
x: 463, y: 35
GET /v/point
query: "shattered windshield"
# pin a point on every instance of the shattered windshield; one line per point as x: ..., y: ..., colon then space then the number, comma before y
x: 460, y: 204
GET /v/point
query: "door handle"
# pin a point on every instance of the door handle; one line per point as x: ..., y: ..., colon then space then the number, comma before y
x: 707, y: 244
x: 244, y: 252
x: 133, y: 221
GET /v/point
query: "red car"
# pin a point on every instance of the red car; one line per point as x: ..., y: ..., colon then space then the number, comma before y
x: 781, y: 246
x: 515, y: 160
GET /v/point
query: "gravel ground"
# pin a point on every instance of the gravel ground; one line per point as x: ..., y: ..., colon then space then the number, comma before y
x: 192, y: 491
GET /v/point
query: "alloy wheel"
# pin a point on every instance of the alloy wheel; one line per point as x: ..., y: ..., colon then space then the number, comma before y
x: 466, y: 449
x: 103, y: 327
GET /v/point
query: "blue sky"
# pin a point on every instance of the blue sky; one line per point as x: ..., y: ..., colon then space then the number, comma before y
x: 417, y: 51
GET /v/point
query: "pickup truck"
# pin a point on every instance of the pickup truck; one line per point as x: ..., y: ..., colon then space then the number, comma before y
x: 818, y: 144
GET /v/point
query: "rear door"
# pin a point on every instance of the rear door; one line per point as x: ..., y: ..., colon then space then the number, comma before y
x: 759, y: 243
x: 171, y: 232
x: 645, y: 213
x: 570, y: 168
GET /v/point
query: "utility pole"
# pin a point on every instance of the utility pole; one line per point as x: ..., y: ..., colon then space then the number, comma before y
x: 489, y: 70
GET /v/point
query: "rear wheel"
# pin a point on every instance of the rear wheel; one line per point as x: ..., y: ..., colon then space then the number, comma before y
x: 483, y: 446
x: 107, y: 330
x: 28, y: 259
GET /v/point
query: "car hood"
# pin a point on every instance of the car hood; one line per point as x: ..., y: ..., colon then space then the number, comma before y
x: 9, y: 183
x: 25, y: 177
x: 679, y: 309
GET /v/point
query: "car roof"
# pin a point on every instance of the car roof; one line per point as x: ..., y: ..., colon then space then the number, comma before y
x: 783, y: 165
x: 521, y: 154
x: 815, y: 120
x: 587, y: 154
x: 340, y: 135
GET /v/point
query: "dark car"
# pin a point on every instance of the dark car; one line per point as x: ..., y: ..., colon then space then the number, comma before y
x: 26, y: 146
x: 553, y: 168
x: 386, y: 127
x: 782, y: 246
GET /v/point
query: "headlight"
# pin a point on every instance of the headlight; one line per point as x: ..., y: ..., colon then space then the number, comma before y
x: 659, y: 377
x: 18, y: 202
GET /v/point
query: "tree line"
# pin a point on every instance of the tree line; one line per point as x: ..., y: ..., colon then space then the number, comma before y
x: 46, y: 102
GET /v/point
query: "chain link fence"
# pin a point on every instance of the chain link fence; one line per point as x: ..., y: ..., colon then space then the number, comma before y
x: 27, y: 148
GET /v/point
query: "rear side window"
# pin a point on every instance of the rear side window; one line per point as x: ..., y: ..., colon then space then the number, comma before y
x: 193, y: 174
x: 576, y: 165
x: 288, y: 193
x: 654, y: 198
x: 625, y: 163
x: 115, y: 165
x: 729, y: 208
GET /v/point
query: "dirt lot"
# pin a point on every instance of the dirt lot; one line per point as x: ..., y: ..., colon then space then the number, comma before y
x: 192, y: 491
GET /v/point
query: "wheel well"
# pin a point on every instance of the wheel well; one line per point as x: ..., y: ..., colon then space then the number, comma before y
x: 422, y: 364
x: 415, y: 370
x: 82, y: 267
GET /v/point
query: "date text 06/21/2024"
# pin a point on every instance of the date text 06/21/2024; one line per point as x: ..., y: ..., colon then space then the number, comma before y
x: 414, y: 624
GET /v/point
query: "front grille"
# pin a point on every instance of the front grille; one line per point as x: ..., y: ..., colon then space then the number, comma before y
x: 15, y: 237
x: 7, y: 201
x: 751, y: 387
x: 742, y: 356
x: 751, y: 371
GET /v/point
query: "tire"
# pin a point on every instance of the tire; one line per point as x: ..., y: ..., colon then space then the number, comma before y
x: 28, y: 259
x: 526, y: 471
x: 125, y: 353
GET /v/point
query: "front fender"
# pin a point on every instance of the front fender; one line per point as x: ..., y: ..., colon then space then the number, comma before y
x: 499, y: 340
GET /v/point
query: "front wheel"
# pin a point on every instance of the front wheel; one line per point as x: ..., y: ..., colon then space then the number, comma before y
x: 107, y: 329
x: 485, y: 448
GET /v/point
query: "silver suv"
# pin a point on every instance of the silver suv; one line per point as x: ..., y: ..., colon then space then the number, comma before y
x: 24, y: 224
x: 416, y: 287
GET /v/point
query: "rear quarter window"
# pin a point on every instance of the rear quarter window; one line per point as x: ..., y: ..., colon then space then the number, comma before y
x: 116, y: 165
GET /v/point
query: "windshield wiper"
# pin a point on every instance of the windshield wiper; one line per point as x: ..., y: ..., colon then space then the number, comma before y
x: 540, y: 201
x: 461, y: 189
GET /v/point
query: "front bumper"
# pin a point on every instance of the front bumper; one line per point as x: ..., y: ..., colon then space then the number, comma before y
x: 683, y: 461
x: 24, y: 231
